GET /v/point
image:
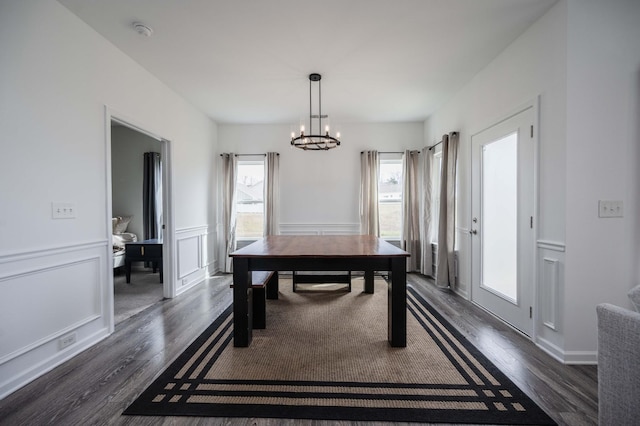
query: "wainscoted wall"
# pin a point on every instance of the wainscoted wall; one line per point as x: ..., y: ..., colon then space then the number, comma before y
x: 54, y: 274
x: 195, y: 256
x: 318, y: 190
x: 550, y: 297
x: 534, y: 65
x: 41, y: 281
x: 549, y: 282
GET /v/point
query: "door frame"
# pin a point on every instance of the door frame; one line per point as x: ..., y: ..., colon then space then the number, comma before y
x: 168, y: 243
x: 534, y: 104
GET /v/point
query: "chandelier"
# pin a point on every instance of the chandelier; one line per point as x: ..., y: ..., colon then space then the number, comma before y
x: 317, y: 142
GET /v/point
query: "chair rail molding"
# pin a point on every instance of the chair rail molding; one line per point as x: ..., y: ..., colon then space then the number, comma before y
x: 48, y: 251
x: 319, y: 228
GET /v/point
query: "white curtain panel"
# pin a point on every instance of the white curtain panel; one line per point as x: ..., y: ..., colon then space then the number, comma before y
x: 426, y: 222
x: 445, y: 272
x: 272, y: 194
x: 369, y: 171
x: 229, y: 175
x: 411, y: 209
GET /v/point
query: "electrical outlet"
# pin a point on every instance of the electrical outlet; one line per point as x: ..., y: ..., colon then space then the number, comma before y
x: 67, y: 340
x: 63, y: 210
x: 610, y: 208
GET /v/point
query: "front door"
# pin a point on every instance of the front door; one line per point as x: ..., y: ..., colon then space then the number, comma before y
x: 502, y: 220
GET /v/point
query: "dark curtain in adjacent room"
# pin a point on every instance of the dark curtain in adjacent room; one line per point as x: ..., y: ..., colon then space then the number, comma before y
x: 152, y: 196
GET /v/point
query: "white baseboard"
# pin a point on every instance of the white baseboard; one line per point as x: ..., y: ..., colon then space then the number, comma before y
x: 581, y: 357
x: 567, y: 357
x: 462, y: 292
x: 190, y: 283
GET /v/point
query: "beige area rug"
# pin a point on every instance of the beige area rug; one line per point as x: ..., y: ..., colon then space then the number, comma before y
x: 325, y: 355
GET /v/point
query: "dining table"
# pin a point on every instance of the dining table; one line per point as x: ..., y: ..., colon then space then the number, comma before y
x: 363, y: 253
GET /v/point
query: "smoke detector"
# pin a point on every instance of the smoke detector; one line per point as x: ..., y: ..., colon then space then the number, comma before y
x: 142, y: 29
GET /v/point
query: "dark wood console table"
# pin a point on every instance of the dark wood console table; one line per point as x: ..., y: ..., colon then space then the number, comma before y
x: 321, y: 253
x: 143, y: 251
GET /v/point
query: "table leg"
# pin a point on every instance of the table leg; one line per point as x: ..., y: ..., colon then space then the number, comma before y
x: 368, y: 282
x: 127, y: 270
x: 242, y: 324
x: 272, y: 287
x: 397, y: 303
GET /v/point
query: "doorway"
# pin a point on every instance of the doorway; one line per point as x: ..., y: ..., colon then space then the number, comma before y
x: 137, y: 209
x: 502, y: 208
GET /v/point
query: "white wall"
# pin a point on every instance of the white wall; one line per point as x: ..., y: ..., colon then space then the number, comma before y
x: 603, y: 157
x: 57, y: 77
x: 582, y: 59
x: 319, y: 191
x: 127, y: 174
x: 533, y: 66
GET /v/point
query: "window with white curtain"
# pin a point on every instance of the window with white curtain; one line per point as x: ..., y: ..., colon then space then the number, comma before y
x: 390, y: 196
x: 250, y: 199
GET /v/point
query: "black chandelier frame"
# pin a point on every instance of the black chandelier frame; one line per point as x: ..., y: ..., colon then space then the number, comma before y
x: 316, y: 142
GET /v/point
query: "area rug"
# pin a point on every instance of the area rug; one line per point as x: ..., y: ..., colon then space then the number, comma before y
x: 144, y: 290
x: 324, y: 355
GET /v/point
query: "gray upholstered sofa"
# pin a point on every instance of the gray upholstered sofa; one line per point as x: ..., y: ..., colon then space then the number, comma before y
x: 619, y: 363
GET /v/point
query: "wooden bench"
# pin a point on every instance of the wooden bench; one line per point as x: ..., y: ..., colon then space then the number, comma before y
x: 342, y: 278
x: 264, y: 285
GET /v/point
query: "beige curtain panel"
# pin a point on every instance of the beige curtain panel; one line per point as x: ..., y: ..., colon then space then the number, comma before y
x: 369, y: 171
x: 426, y: 223
x: 445, y: 271
x: 229, y: 176
x: 411, y: 209
x: 272, y: 194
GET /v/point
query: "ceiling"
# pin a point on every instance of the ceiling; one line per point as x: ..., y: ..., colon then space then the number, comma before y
x: 248, y: 61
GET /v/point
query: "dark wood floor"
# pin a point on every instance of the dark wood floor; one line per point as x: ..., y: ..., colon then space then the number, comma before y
x: 96, y: 386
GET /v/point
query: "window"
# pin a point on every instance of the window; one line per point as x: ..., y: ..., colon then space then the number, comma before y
x: 250, y: 200
x: 390, y: 196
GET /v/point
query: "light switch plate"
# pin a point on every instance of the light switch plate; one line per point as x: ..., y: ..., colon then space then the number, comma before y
x: 610, y: 208
x: 63, y: 210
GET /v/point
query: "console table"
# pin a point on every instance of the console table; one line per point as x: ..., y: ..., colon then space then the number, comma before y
x: 143, y: 251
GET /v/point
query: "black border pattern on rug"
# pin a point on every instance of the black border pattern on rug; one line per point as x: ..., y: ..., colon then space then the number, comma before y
x: 532, y: 414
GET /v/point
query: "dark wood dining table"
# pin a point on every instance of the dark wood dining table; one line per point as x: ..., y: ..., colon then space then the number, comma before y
x: 321, y: 253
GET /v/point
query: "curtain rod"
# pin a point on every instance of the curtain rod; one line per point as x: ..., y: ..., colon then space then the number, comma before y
x: 249, y: 155
x: 438, y: 143
x: 390, y: 152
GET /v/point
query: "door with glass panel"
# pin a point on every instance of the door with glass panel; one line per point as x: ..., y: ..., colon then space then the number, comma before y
x: 502, y: 160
